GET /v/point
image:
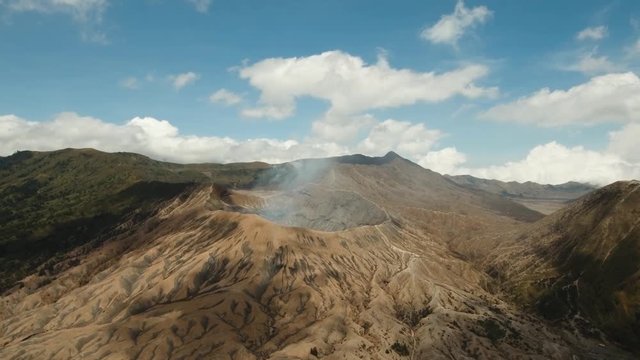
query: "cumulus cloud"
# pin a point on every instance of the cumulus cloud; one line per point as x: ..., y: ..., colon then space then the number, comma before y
x: 451, y: 27
x: 201, y: 6
x: 549, y: 163
x: 160, y: 139
x: 340, y: 128
x: 350, y: 85
x: 605, y: 98
x: 181, y: 80
x: 593, y: 33
x: 226, y: 97
x: 625, y: 142
x: 445, y: 161
x: 87, y: 13
x: 410, y: 139
x: 553, y: 163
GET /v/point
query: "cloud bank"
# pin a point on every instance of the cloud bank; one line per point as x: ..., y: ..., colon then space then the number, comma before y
x: 548, y: 163
x: 554, y: 163
x: 161, y: 140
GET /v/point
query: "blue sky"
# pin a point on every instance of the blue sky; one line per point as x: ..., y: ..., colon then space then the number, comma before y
x: 318, y: 78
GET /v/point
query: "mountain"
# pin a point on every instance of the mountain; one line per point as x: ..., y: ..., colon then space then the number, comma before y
x: 349, y: 257
x: 51, y: 202
x: 581, y: 265
x: 543, y: 198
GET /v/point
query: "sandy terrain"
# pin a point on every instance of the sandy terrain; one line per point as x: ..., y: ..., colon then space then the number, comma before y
x: 363, y: 262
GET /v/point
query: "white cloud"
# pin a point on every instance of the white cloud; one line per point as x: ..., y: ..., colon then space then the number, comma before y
x: 352, y: 86
x: 590, y: 63
x: 626, y: 142
x: 553, y: 163
x: 450, y: 28
x: 412, y: 140
x: 445, y: 161
x: 593, y: 33
x: 268, y: 111
x: 340, y: 128
x: 606, y: 98
x: 130, y: 82
x: 158, y: 139
x: 549, y: 163
x: 201, y: 6
x: 226, y: 97
x: 181, y: 80
x: 87, y: 13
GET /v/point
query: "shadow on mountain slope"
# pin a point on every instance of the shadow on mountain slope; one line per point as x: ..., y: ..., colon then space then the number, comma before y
x: 581, y: 264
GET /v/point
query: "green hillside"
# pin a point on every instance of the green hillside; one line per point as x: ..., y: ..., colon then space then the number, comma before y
x: 51, y: 202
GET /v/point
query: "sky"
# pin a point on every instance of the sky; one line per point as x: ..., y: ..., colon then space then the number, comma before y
x: 542, y: 91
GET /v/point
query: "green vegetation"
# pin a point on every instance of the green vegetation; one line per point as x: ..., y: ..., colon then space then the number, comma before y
x: 400, y: 348
x: 493, y: 330
x: 314, y: 351
x: 51, y: 202
x: 412, y: 316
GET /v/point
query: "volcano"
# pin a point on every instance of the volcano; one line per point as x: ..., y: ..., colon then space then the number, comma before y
x: 117, y: 256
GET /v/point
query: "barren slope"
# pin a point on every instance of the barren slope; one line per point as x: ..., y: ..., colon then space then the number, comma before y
x: 219, y: 284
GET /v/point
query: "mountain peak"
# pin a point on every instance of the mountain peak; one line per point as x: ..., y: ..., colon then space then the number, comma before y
x: 391, y: 155
x: 359, y: 159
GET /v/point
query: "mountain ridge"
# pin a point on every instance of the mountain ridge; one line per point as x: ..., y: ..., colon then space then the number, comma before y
x: 544, y: 198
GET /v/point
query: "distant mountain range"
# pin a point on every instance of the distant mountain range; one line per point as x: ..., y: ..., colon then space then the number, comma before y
x: 543, y: 198
x: 117, y: 256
